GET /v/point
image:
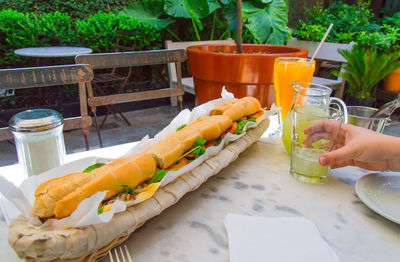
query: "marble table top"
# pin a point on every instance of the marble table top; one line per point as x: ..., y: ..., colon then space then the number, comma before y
x: 258, y: 183
x: 52, y: 51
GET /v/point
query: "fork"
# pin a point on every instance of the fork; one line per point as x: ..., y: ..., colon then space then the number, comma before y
x: 125, y: 255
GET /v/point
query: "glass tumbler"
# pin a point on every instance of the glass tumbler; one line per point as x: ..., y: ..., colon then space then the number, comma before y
x: 304, y: 165
x: 39, y: 140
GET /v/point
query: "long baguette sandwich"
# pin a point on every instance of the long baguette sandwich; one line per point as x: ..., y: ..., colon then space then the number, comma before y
x: 60, y: 197
x: 121, y: 178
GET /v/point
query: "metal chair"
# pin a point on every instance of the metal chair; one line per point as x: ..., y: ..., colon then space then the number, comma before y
x: 36, y: 77
x: 187, y: 82
x: 132, y: 59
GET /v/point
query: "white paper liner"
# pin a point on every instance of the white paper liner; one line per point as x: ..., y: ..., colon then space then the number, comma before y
x: 86, y: 212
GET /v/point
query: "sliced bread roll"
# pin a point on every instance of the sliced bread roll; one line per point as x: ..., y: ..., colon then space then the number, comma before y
x: 237, y: 109
x: 51, y: 191
x: 174, y: 146
x: 129, y: 171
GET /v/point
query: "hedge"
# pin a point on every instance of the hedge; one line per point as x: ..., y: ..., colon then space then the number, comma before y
x: 18, y: 30
x: 75, y: 8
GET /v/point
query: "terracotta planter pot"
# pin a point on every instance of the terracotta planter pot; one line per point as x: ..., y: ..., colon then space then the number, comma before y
x: 392, y: 81
x: 246, y: 74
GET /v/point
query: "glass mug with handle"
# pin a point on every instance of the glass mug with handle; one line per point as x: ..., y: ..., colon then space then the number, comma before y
x: 313, y: 98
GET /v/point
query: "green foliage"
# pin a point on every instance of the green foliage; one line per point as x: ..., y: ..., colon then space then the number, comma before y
x: 385, y: 37
x: 75, y: 8
x: 149, y: 12
x: 18, y: 30
x: 264, y: 21
x: 53, y: 29
x: 353, y: 23
x: 365, y: 68
x: 350, y: 21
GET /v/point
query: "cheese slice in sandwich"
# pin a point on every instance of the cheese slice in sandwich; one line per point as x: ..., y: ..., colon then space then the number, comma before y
x: 129, y: 171
x: 239, y: 108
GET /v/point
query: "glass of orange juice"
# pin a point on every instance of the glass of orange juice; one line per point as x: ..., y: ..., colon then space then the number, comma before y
x: 286, y: 71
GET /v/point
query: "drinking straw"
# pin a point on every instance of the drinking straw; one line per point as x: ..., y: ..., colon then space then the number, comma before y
x: 322, y: 42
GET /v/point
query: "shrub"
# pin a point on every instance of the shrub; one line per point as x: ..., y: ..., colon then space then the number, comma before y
x: 53, y: 29
x: 350, y: 22
x: 18, y: 30
x: 99, y: 33
x: 75, y: 8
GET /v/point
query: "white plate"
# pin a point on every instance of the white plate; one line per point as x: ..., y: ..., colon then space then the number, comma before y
x: 381, y: 193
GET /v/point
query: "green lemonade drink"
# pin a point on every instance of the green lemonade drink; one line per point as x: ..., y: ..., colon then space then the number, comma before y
x: 304, y: 122
x: 304, y: 162
x: 287, y: 132
x: 306, y: 165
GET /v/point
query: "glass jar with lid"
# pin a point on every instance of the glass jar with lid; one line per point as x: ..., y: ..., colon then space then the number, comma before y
x: 39, y: 139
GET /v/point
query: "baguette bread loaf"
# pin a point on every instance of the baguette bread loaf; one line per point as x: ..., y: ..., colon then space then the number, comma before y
x: 237, y: 109
x: 53, y: 190
x: 129, y: 171
x: 59, y: 197
x: 170, y: 149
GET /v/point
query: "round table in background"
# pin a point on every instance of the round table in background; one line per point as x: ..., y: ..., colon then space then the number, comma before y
x: 52, y: 51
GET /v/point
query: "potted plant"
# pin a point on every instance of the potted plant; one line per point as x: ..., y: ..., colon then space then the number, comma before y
x: 389, y: 37
x: 365, y: 68
x: 248, y: 73
x: 244, y: 69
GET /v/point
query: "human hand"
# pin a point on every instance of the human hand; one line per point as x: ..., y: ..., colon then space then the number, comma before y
x: 356, y: 146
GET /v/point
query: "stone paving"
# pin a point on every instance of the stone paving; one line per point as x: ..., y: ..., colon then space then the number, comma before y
x: 115, y: 131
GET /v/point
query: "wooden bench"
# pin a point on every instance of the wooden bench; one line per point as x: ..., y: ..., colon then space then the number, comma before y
x: 36, y: 77
x: 132, y: 59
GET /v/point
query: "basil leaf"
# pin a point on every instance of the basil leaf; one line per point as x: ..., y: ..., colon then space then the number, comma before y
x: 157, y: 177
x: 93, y: 167
x: 100, y: 210
x: 218, y: 141
x: 199, y: 142
x: 200, y: 151
x: 181, y: 127
x: 127, y: 190
x: 252, y: 120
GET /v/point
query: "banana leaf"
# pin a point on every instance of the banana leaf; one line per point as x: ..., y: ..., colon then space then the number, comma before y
x: 149, y: 11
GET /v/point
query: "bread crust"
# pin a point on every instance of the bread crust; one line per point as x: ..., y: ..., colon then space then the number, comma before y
x: 237, y: 109
x: 169, y: 150
x: 219, y: 110
x: 130, y: 171
x: 51, y: 191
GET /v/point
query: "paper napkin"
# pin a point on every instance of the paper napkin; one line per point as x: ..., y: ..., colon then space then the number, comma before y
x: 277, y: 239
